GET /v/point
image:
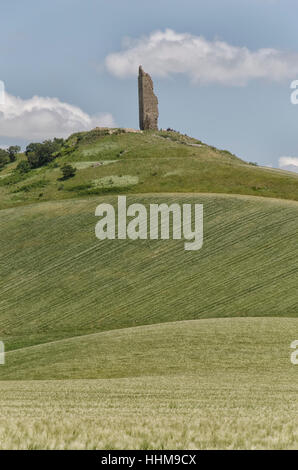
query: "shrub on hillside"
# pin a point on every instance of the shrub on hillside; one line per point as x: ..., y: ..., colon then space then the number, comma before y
x: 40, y: 154
x: 13, y: 150
x: 4, y: 158
x: 68, y: 171
x: 23, y: 166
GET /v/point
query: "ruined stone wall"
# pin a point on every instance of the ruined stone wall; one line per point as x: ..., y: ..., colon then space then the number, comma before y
x: 148, y: 102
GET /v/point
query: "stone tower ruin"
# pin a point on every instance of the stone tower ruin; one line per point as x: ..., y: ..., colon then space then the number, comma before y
x: 148, y: 102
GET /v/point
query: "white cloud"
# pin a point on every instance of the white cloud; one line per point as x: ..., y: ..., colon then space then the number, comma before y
x: 288, y: 163
x: 41, y: 118
x: 164, y: 53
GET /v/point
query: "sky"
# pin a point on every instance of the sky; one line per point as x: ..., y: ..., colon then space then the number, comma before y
x: 222, y: 70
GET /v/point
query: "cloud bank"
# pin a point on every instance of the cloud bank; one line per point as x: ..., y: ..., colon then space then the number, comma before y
x: 288, y: 163
x: 40, y: 118
x: 164, y: 53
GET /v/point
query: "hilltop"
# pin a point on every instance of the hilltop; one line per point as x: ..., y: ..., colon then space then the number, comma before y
x: 124, y: 160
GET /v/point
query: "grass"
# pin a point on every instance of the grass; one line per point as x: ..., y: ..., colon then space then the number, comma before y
x: 141, y: 344
x: 161, y: 162
x: 193, y: 347
x: 115, y: 181
x: 201, y: 384
x: 147, y: 413
x: 84, y: 165
x: 179, y: 412
x: 58, y: 280
x: 28, y: 187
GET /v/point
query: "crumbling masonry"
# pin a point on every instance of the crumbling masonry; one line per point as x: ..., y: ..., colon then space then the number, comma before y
x: 148, y: 102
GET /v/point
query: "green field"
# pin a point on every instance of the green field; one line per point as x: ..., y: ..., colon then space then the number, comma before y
x: 141, y: 344
x: 215, y: 383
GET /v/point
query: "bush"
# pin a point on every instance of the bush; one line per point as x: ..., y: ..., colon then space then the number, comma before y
x: 40, y: 154
x: 4, y: 158
x: 68, y: 171
x: 23, y: 166
x: 33, y: 160
x: 13, y: 150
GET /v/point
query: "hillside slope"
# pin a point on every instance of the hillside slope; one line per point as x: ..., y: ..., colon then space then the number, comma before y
x: 214, y: 383
x: 169, y: 349
x: 58, y: 280
x: 142, y: 162
x: 239, y: 347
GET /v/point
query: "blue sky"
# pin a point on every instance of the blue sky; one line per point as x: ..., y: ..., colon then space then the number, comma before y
x: 75, y: 58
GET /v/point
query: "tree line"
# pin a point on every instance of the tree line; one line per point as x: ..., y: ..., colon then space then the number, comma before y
x: 37, y: 154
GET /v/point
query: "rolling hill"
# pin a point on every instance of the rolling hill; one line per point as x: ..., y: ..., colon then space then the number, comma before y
x: 212, y: 383
x: 59, y: 280
x: 114, y: 161
x: 141, y: 344
x: 215, y: 347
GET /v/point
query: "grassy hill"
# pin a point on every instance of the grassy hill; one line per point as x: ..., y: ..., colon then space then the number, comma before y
x: 59, y: 280
x: 205, y: 347
x: 168, y: 348
x: 135, y: 162
x: 214, y: 383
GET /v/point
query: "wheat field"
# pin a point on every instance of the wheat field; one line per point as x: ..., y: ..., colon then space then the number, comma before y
x: 202, y: 384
